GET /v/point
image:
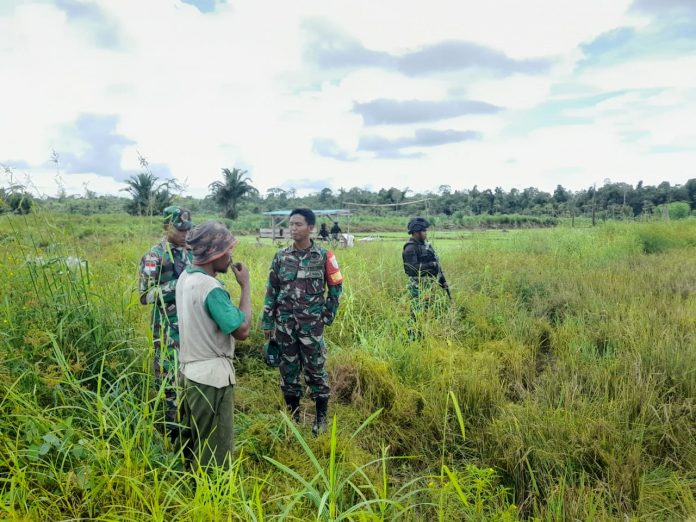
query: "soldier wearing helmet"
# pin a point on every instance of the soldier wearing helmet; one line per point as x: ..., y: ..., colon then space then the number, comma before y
x: 159, y: 270
x: 422, y: 266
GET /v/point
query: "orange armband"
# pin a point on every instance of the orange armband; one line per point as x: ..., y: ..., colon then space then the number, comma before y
x: 333, y: 271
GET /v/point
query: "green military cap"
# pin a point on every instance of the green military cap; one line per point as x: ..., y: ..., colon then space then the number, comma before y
x: 179, y: 217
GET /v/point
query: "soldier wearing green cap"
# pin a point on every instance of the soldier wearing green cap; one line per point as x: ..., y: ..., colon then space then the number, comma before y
x: 160, y: 268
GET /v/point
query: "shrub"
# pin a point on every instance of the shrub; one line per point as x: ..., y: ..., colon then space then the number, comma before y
x: 18, y: 203
x: 677, y: 209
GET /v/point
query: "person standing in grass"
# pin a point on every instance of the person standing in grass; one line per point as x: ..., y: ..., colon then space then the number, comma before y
x: 335, y: 231
x: 209, y: 323
x: 323, y: 232
x: 302, y: 295
x: 159, y: 271
x: 422, y: 267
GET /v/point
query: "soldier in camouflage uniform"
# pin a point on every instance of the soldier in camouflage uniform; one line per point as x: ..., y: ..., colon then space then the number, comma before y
x: 296, y: 309
x: 159, y: 270
x: 423, y: 269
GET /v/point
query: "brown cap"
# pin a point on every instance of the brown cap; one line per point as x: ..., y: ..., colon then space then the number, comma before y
x: 209, y: 241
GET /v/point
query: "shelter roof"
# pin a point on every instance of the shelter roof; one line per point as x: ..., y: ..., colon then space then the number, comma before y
x: 323, y: 212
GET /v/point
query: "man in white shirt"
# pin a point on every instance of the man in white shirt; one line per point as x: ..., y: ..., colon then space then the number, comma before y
x: 209, y: 323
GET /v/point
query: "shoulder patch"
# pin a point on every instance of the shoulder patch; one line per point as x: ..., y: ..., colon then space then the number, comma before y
x: 150, y: 263
x: 333, y: 271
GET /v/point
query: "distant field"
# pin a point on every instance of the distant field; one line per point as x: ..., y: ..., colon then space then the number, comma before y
x: 433, y: 235
x: 558, y: 384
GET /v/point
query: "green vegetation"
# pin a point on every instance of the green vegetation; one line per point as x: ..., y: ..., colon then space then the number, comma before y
x: 677, y: 210
x: 559, y: 384
x: 149, y: 195
x: 235, y: 197
x: 16, y: 202
x: 227, y: 193
x: 14, y: 198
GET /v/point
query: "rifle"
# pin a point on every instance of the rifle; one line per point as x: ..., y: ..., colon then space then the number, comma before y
x: 441, y: 276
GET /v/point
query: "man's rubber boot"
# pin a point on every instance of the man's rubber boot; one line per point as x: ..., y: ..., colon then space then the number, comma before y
x: 320, y: 420
x: 172, y: 431
x: 293, y: 404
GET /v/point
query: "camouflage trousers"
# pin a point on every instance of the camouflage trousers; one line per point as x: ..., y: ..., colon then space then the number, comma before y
x: 302, y: 350
x: 166, y: 370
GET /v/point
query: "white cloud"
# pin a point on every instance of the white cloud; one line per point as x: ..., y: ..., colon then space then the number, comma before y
x: 644, y: 74
x: 517, y: 92
x: 199, y: 92
x: 520, y: 29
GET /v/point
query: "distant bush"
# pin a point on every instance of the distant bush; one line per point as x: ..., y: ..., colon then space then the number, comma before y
x: 655, y: 238
x: 17, y: 202
x: 678, y: 210
x: 507, y: 221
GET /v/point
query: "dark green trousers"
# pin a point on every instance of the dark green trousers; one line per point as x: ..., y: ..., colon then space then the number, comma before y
x: 209, y: 415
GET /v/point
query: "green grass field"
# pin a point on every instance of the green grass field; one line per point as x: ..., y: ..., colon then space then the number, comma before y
x: 559, y: 384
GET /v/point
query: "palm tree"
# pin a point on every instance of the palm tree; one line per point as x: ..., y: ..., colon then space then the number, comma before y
x: 227, y: 193
x: 148, y: 194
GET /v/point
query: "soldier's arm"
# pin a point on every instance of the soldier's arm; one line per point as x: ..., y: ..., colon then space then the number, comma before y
x: 168, y: 288
x: 411, y: 265
x: 168, y: 291
x: 269, y: 301
x: 331, y: 305
x: 430, y: 267
x: 149, y: 275
x: 334, y: 283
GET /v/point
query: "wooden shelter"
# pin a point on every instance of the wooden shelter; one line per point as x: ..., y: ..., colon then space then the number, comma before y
x: 280, y: 218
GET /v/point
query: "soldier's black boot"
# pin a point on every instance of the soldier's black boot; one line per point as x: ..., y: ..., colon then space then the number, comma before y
x: 293, y: 403
x: 320, y: 420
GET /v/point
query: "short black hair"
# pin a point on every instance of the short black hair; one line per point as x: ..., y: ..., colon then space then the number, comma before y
x: 307, y: 213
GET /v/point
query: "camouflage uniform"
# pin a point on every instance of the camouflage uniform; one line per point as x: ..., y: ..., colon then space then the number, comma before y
x: 159, y: 270
x: 296, y: 305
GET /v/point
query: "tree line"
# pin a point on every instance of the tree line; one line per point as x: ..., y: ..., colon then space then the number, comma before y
x: 235, y: 193
x: 614, y: 200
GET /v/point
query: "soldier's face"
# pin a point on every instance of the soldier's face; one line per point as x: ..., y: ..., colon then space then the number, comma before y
x: 299, y: 229
x: 175, y: 236
x: 421, y: 235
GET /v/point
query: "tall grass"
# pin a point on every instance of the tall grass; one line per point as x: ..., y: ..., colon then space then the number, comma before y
x: 559, y: 384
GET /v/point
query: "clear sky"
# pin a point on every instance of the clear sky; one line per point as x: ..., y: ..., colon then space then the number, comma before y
x: 367, y: 93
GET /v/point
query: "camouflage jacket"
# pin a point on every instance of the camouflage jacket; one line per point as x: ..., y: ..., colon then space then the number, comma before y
x: 159, y: 270
x: 296, y: 288
x: 421, y: 261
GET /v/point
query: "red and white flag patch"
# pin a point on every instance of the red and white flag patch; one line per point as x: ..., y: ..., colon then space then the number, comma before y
x: 150, y: 265
x: 333, y: 271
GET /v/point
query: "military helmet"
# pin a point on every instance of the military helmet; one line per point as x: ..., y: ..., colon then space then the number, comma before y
x: 177, y: 216
x: 418, y: 224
